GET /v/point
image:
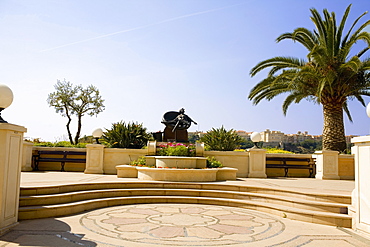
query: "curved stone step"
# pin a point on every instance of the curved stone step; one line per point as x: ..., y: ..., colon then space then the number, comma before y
x: 106, y: 193
x: 44, y: 211
x: 314, y: 196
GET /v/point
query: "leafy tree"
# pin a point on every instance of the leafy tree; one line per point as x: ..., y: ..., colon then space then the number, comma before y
x: 130, y: 135
x: 221, y: 139
x: 330, y: 76
x: 69, y: 100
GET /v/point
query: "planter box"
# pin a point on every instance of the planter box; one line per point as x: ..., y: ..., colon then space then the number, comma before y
x: 177, y: 175
x: 180, y: 162
x: 226, y: 173
x: 233, y: 159
x: 126, y: 171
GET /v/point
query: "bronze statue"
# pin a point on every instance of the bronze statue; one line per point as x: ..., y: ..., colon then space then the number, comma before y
x: 177, y: 123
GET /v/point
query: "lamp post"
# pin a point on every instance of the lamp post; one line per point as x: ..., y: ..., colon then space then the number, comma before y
x: 97, y: 134
x: 6, y: 99
x: 256, y: 138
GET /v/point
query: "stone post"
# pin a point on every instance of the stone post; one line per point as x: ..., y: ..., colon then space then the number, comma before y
x: 360, y: 209
x: 94, y: 159
x: 27, y: 157
x: 199, y: 149
x: 152, y: 147
x: 257, y: 163
x: 11, y: 147
x: 326, y: 164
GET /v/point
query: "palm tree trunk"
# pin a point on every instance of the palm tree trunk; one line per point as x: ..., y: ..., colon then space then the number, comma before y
x: 333, y: 137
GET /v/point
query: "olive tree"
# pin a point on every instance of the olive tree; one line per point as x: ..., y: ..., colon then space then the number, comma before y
x: 69, y: 100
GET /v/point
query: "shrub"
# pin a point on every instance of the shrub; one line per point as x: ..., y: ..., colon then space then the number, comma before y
x: 221, y: 139
x: 141, y: 161
x: 130, y: 135
x: 213, y: 163
x: 60, y: 144
x: 63, y: 144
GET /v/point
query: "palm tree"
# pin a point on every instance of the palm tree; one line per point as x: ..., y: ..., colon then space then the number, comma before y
x: 330, y: 76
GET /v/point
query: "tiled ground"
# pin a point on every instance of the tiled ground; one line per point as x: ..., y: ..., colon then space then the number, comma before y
x: 153, y: 225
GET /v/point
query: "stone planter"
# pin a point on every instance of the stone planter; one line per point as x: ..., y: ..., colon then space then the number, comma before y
x: 180, y: 162
x: 126, y: 171
x: 226, y: 173
x: 177, y: 175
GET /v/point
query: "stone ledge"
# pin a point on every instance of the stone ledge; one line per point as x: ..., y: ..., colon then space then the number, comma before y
x: 178, y: 175
x: 126, y: 171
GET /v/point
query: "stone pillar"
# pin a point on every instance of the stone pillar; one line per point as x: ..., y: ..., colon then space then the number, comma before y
x: 11, y: 147
x: 326, y: 164
x: 199, y: 149
x: 257, y: 163
x: 27, y: 157
x: 152, y: 147
x: 94, y: 159
x: 361, y: 194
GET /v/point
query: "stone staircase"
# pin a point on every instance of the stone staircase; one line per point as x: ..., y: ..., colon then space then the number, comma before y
x: 61, y: 200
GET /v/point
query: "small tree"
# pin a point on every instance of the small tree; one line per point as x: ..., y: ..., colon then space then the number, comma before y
x: 69, y: 100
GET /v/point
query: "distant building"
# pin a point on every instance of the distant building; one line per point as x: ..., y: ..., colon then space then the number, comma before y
x: 246, y: 135
x: 272, y: 136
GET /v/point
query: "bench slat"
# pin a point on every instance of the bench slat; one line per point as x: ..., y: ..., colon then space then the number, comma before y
x: 283, y: 164
x: 37, y: 158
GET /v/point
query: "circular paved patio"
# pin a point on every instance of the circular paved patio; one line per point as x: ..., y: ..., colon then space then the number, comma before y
x: 150, y: 225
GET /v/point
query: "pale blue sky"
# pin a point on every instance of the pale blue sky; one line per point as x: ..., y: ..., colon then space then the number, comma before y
x: 151, y: 56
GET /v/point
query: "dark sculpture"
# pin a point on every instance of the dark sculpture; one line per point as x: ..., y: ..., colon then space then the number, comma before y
x: 177, y: 124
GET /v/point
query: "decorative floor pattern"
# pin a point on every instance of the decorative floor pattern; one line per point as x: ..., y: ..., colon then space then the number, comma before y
x: 182, y: 224
x: 178, y: 225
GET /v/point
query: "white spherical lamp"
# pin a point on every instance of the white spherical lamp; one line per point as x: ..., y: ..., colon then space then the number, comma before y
x: 256, y: 138
x: 368, y: 110
x: 6, y: 99
x: 97, y: 134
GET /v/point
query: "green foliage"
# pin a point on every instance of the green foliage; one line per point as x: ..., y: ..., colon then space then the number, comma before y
x: 69, y: 100
x: 60, y: 144
x: 87, y: 139
x: 130, y: 135
x: 246, y: 144
x: 141, y: 161
x: 212, y: 162
x: 44, y: 144
x: 176, y: 149
x: 63, y: 144
x: 304, y: 147
x: 222, y: 140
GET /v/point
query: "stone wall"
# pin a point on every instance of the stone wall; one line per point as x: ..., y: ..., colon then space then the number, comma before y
x: 233, y: 159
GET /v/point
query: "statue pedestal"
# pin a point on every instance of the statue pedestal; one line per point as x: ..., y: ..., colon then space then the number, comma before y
x: 177, y: 135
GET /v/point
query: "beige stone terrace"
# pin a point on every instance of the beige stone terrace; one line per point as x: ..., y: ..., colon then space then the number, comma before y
x: 206, y: 225
x: 200, y: 225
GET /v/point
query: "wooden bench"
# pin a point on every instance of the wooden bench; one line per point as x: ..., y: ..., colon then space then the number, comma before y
x: 57, y: 156
x: 309, y: 164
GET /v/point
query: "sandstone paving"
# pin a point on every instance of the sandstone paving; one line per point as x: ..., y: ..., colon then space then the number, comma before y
x: 180, y: 226
x: 171, y: 224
